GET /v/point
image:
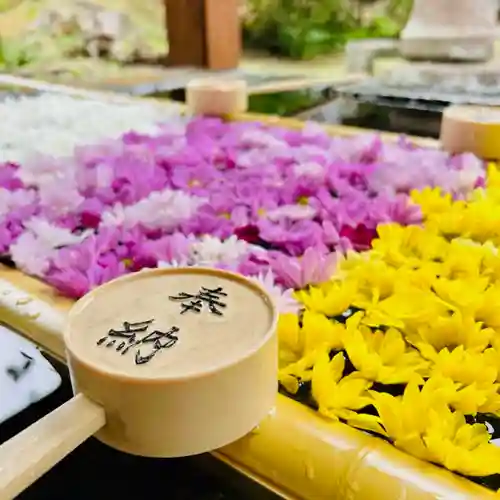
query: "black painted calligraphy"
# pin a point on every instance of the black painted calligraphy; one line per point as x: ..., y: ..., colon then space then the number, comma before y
x: 18, y: 371
x: 135, y: 336
x: 212, y: 298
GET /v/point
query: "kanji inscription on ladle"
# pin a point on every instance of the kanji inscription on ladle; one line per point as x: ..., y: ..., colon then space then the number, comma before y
x: 210, y: 297
x: 135, y: 336
x: 17, y: 372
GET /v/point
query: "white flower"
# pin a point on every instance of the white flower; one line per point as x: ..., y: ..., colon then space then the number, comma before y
x: 293, y: 212
x: 261, y: 139
x: 10, y: 200
x: 53, y: 235
x: 175, y: 263
x: 160, y: 210
x: 54, y: 124
x: 31, y: 254
x: 35, y: 247
x: 60, y: 198
x: 283, y: 299
x: 210, y: 250
x: 468, y: 177
x: 309, y: 169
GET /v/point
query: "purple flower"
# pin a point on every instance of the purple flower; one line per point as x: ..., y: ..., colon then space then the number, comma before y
x: 16, y: 207
x: 245, y: 196
x: 170, y: 248
x: 313, y: 268
x: 76, y: 269
x: 290, y: 236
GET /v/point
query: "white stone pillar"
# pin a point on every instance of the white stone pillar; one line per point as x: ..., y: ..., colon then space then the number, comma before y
x: 450, y: 30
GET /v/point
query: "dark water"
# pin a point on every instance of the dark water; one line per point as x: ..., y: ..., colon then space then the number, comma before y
x: 94, y: 471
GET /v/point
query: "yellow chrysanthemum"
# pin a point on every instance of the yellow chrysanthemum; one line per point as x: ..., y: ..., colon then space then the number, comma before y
x: 406, y: 308
x: 293, y: 374
x: 493, y: 175
x: 316, y: 332
x: 487, y: 307
x: 428, y: 301
x: 405, y: 418
x: 463, y: 260
x: 394, y: 244
x: 423, y: 426
x: 460, y: 447
x: 477, y: 398
x: 450, y: 223
x: 381, y: 357
x: 493, y: 357
x: 451, y: 331
x: 462, y: 294
x: 291, y: 345
x: 338, y: 397
x: 432, y: 200
x: 331, y: 300
x: 491, y: 263
x: 321, y: 332
x: 375, y: 281
x: 465, y: 367
x: 475, y: 375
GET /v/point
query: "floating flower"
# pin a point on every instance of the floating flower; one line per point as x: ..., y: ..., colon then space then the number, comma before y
x: 300, y: 338
x: 338, y: 397
x: 312, y: 268
x: 54, y: 123
x: 209, y: 250
x: 284, y: 299
x: 78, y: 268
x: 381, y: 356
x: 475, y: 373
x: 421, y: 424
x: 163, y: 210
x: 16, y: 207
x: 331, y: 299
x: 460, y: 447
x: 39, y: 242
x: 450, y: 331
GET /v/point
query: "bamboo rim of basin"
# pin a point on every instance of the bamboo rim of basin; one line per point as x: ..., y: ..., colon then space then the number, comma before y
x: 294, y: 452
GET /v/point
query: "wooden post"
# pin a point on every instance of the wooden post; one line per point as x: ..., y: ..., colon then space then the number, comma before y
x: 203, y: 33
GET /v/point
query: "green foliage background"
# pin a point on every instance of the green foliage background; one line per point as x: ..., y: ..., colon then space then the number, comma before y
x: 303, y: 29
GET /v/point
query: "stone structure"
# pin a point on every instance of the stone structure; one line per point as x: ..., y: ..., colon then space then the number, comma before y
x: 448, y: 47
x: 96, y: 31
x: 450, y: 30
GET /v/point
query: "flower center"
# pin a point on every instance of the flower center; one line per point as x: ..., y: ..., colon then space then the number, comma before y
x: 127, y: 262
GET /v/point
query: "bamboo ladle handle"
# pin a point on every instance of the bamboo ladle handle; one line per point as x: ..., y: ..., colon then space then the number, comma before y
x: 31, y: 453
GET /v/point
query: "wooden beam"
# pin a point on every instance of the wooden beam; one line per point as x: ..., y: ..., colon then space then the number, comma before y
x: 185, y: 32
x: 203, y: 33
x: 223, y: 34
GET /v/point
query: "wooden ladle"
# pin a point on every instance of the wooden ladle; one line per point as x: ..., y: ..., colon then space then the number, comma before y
x: 164, y: 363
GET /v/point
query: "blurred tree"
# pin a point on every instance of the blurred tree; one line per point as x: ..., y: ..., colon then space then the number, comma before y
x: 6, y: 5
x: 303, y: 29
